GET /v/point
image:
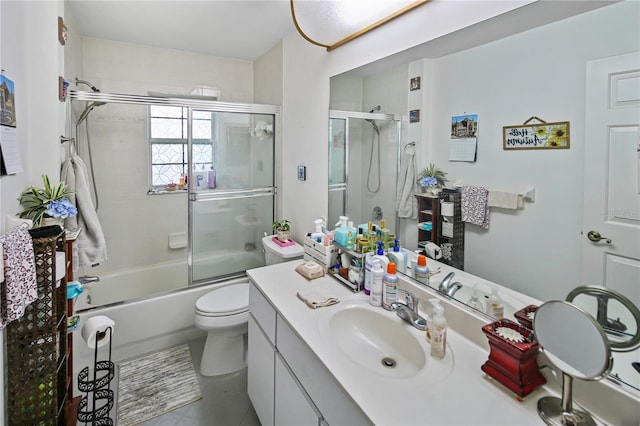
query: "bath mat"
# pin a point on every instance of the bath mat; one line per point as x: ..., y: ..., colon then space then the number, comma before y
x: 154, y: 384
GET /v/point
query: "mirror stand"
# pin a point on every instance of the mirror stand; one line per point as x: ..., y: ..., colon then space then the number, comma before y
x: 556, y: 411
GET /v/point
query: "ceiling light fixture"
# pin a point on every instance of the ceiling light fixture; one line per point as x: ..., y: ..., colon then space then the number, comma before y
x: 330, y: 16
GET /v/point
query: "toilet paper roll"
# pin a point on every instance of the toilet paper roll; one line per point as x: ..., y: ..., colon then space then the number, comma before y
x: 95, y: 330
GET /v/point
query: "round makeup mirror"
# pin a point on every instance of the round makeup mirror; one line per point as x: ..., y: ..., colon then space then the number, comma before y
x: 576, y: 344
x: 618, y: 316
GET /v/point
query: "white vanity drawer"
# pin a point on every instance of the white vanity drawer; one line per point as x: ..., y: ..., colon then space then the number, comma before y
x: 263, y: 312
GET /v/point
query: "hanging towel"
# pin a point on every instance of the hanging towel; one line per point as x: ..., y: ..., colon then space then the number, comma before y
x: 91, y: 244
x: 474, y: 205
x: 20, y: 274
x: 504, y: 199
x: 406, y: 203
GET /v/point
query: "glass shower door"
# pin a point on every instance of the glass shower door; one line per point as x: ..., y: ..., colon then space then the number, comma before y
x: 337, y: 169
x: 231, y: 191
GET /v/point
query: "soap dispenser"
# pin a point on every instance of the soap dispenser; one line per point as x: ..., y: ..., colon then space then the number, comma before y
x: 437, y: 329
x: 396, y: 256
x: 475, y: 301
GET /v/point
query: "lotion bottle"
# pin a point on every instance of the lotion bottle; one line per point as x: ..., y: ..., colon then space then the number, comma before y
x: 377, y: 274
x: 390, y: 287
x: 438, y: 330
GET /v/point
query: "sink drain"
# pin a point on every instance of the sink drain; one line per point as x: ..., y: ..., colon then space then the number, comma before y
x: 388, y: 362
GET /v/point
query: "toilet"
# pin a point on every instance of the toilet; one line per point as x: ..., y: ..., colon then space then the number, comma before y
x: 223, y: 313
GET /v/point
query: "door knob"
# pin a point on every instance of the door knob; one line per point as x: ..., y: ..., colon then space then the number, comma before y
x: 595, y: 237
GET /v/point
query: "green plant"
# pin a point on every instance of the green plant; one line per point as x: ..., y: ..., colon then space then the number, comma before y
x: 281, y: 225
x: 48, y: 201
x: 432, y: 176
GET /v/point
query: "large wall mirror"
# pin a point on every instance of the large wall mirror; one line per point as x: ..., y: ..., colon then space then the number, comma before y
x: 558, y: 72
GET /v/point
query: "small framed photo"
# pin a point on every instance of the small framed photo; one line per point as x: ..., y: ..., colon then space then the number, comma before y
x: 414, y: 116
x: 414, y: 83
x: 302, y: 173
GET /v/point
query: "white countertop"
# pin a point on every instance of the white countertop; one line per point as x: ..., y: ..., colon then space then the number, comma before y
x: 465, y: 397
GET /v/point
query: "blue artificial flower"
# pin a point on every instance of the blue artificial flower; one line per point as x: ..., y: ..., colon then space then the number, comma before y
x: 428, y: 181
x: 62, y: 208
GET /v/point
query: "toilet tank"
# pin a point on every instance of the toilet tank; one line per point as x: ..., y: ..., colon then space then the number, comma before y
x: 274, y: 253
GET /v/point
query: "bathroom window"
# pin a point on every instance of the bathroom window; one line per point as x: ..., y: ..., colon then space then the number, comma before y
x: 168, y: 127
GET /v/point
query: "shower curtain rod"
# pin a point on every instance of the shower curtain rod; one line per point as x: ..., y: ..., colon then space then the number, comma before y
x: 78, y: 95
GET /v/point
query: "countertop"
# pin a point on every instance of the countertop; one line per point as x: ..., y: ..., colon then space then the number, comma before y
x: 464, y: 397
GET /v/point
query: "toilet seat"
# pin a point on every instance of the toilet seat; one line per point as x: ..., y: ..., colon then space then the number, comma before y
x: 228, y: 300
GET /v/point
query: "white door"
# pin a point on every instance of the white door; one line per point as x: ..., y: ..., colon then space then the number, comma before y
x: 612, y: 184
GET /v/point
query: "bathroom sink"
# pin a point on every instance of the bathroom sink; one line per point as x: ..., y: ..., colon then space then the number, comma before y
x: 379, y: 340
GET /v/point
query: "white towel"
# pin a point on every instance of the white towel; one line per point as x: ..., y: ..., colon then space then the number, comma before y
x: 317, y: 296
x: 406, y: 203
x: 474, y: 205
x: 91, y: 244
x: 505, y: 200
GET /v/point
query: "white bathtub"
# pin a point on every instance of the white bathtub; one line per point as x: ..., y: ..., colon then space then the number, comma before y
x: 144, y: 324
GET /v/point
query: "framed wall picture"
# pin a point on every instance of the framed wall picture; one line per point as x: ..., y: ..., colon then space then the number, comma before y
x: 414, y: 83
x: 414, y: 116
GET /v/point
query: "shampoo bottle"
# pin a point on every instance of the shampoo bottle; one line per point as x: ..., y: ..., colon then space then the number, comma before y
x: 390, y: 287
x: 211, y: 178
x: 420, y: 271
x: 437, y: 328
x: 377, y: 274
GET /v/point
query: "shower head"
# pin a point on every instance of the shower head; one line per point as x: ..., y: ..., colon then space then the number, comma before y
x: 375, y: 109
x: 86, y: 83
x: 87, y: 110
x: 373, y: 123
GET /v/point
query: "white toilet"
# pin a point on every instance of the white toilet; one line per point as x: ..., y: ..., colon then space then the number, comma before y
x: 223, y: 313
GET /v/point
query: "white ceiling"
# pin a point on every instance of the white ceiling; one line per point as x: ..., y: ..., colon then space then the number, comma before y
x: 240, y: 29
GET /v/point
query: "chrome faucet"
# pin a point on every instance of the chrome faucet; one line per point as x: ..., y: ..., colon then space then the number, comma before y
x: 409, y: 311
x: 448, y: 287
x: 88, y: 279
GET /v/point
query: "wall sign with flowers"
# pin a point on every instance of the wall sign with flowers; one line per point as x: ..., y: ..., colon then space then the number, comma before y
x: 48, y: 205
x: 540, y: 135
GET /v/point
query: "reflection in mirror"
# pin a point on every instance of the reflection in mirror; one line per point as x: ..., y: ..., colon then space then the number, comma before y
x: 616, y: 314
x: 511, y: 252
x: 575, y: 343
x: 363, y: 164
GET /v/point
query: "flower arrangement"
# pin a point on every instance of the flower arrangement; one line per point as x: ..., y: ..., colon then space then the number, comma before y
x: 432, y: 176
x: 50, y: 201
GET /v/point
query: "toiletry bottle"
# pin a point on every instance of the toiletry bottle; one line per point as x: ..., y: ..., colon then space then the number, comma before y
x: 494, y: 306
x: 396, y: 256
x: 350, y: 241
x: 211, y: 178
x: 318, y: 223
x: 376, y: 284
x: 390, y: 287
x: 438, y: 330
x: 475, y: 301
x: 420, y: 271
x: 369, y: 259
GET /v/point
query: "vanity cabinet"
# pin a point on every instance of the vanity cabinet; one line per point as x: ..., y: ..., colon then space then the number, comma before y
x: 444, y: 213
x: 286, y: 382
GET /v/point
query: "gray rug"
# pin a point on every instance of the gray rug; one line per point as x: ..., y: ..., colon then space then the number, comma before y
x: 154, y: 384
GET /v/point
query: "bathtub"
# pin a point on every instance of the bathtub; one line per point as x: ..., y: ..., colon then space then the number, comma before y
x: 145, y: 323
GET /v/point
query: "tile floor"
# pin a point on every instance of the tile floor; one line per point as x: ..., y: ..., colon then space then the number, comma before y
x: 224, y: 401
